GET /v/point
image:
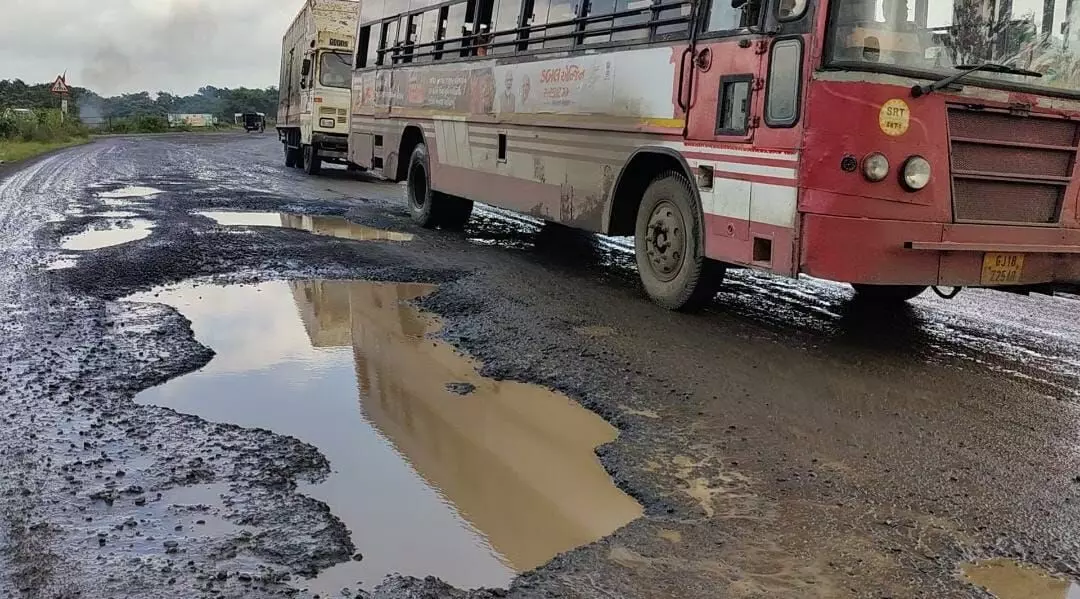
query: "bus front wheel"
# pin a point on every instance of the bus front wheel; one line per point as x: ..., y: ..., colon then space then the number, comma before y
x: 670, y: 249
x: 887, y: 294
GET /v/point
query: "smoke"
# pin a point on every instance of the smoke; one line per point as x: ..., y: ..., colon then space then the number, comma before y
x: 181, y: 45
x: 90, y: 110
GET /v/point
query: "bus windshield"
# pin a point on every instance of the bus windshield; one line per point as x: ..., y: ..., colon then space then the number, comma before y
x: 335, y: 70
x: 929, y: 38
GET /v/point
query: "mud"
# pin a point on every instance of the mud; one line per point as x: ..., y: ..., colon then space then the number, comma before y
x: 785, y: 443
x: 1008, y: 579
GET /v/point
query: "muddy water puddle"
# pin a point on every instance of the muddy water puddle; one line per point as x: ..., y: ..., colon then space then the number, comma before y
x: 130, y: 192
x: 329, y: 226
x: 108, y: 233
x: 1008, y: 579
x: 436, y: 469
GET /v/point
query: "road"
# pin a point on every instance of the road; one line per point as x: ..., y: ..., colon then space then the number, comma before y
x: 228, y: 410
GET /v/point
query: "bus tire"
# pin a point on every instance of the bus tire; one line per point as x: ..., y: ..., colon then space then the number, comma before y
x: 887, y: 294
x: 670, y: 249
x: 424, y: 203
x: 454, y: 212
x: 290, y: 156
x: 312, y: 162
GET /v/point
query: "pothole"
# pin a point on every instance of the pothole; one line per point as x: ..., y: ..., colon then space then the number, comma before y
x: 61, y: 264
x: 470, y: 487
x: 133, y: 191
x: 108, y: 234
x: 330, y: 226
x: 1009, y: 579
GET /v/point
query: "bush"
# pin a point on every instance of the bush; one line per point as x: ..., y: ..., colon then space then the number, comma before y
x: 45, y: 126
x: 139, y: 124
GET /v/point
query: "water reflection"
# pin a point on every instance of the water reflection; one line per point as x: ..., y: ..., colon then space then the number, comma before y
x: 329, y: 226
x: 470, y: 488
x: 108, y: 233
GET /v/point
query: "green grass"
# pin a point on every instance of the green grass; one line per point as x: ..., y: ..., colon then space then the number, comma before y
x: 14, y: 151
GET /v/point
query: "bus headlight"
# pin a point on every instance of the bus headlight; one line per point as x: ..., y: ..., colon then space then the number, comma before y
x: 875, y: 167
x: 326, y: 123
x: 916, y: 173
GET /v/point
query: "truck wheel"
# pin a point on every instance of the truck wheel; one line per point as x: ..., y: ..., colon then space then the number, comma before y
x: 424, y: 204
x: 669, y: 241
x: 887, y: 294
x: 312, y: 162
x: 290, y: 156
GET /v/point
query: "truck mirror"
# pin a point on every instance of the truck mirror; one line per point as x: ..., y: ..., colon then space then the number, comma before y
x: 305, y: 67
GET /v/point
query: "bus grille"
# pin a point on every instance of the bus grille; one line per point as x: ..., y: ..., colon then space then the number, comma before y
x: 1010, y: 169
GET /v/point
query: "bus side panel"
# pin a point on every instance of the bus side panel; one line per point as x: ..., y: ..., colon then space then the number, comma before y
x: 559, y: 175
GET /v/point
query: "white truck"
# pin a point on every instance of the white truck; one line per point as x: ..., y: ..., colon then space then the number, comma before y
x: 316, y: 76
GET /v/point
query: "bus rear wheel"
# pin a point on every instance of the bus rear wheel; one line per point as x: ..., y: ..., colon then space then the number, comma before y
x: 670, y: 249
x: 887, y: 294
x: 430, y: 208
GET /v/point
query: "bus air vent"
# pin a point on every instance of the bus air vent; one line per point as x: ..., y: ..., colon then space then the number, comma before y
x: 1008, y: 168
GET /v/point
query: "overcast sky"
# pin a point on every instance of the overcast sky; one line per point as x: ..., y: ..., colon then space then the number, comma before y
x: 114, y: 46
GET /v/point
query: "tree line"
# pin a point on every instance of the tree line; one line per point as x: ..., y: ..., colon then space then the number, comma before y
x: 220, y: 101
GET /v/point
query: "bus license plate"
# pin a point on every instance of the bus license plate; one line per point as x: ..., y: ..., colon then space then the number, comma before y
x: 1002, y: 269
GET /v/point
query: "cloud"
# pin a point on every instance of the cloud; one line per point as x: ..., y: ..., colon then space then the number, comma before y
x: 114, y: 46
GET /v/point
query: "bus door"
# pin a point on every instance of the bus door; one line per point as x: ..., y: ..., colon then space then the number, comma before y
x: 722, y: 76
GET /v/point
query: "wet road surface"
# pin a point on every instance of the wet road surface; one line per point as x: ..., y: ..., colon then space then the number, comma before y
x: 201, y: 403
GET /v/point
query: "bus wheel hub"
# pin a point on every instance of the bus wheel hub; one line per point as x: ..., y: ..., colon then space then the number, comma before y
x: 666, y: 240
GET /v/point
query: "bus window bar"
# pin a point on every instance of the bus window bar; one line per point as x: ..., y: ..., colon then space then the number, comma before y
x: 523, y: 37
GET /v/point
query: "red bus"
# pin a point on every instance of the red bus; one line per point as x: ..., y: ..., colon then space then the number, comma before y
x: 888, y: 144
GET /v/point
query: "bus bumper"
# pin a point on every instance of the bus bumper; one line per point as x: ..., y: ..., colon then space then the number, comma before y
x: 885, y: 252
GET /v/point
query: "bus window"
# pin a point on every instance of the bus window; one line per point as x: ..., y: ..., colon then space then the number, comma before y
x: 455, y: 25
x: 506, y: 20
x: 410, y: 35
x: 560, y: 11
x: 596, y: 8
x: 724, y: 17
x: 428, y: 30
x: 789, y: 10
x: 363, y: 47
x: 536, y: 15
x: 633, y: 34
x: 388, y: 42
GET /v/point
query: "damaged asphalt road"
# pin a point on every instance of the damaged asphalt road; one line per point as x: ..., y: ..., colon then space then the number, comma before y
x: 786, y: 443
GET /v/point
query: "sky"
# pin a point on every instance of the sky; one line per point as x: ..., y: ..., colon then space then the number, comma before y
x: 118, y: 46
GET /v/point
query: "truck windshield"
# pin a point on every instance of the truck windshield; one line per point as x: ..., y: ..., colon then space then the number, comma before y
x: 929, y: 38
x: 335, y: 70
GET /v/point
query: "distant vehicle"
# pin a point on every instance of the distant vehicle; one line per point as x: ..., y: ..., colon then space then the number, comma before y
x: 254, y: 121
x: 316, y: 75
x: 202, y: 121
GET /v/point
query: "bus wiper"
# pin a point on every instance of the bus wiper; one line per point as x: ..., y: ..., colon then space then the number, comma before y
x: 967, y: 69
